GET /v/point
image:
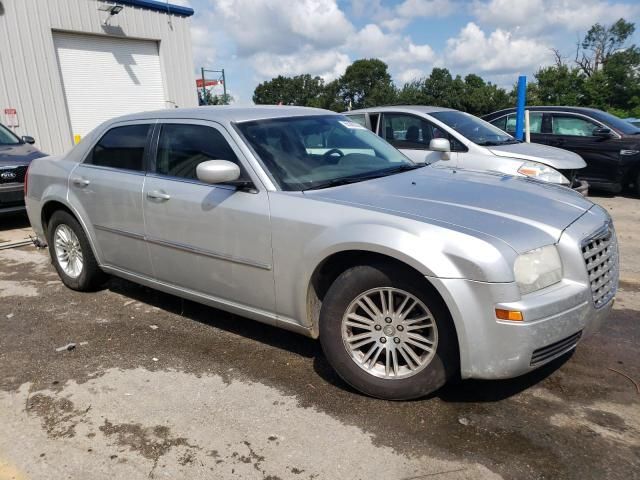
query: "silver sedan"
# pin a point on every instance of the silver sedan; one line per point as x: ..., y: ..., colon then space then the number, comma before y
x: 305, y: 220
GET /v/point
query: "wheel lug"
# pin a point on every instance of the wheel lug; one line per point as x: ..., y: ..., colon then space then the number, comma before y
x: 388, y: 320
x: 396, y: 340
x: 378, y: 327
x: 383, y: 340
x: 400, y: 328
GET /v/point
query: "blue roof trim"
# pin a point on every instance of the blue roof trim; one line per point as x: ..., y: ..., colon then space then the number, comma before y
x: 158, y: 6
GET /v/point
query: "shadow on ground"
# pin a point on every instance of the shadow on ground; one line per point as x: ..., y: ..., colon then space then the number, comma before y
x: 457, y: 391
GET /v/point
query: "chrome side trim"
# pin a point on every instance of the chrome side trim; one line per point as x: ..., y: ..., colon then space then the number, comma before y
x: 124, y: 233
x: 207, y: 253
x: 185, y: 248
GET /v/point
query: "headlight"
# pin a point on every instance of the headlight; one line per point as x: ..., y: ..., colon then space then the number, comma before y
x: 538, y: 269
x: 542, y: 172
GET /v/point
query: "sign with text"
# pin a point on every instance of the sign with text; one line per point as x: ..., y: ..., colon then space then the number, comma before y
x: 11, y: 117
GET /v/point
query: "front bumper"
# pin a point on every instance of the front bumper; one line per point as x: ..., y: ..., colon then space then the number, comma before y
x: 556, y: 318
x: 496, y: 349
x: 11, y: 197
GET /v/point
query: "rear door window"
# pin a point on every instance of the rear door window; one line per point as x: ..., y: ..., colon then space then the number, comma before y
x: 535, y: 123
x: 122, y: 148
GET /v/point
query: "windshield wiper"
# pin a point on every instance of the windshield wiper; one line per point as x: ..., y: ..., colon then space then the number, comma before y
x: 336, y: 182
x: 496, y: 144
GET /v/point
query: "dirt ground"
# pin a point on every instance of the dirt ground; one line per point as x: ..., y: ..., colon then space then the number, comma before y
x: 157, y: 387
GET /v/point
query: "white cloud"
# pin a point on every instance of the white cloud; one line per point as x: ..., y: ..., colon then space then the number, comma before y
x: 499, y: 52
x: 392, y: 48
x: 280, y: 26
x: 328, y: 64
x: 535, y: 16
x: 410, y: 75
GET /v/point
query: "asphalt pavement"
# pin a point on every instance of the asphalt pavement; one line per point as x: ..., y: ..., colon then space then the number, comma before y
x: 128, y: 382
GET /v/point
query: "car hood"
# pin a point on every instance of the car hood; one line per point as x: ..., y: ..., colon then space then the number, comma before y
x: 554, y: 157
x: 521, y: 212
x: 21, y: 154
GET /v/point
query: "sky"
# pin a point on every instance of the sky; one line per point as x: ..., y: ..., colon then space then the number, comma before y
x: 256, y: 40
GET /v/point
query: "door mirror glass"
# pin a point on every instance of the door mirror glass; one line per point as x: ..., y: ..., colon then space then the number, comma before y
x: 217, y: 171
x: 28, y: 139
x: 440, y: 145
x: 602, y: 132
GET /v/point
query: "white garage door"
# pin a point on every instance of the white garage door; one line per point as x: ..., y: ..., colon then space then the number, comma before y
x: 105, y: 77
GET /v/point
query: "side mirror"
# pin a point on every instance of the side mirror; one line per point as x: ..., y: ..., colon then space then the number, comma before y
x: 217, y: 171
x: 28, y: 139
x: 602, y: 132
x: 441, y: 145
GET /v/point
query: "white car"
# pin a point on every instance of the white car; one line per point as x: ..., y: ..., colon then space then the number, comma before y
x: 444, y: 137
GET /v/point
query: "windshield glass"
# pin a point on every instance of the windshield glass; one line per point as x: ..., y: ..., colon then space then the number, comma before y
x: 309, y: 152
x: 473, y: 128
x: 7, y: 137
x: 617, y: 123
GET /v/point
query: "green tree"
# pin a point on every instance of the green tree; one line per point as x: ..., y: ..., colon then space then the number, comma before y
x: 558, y: 85
x: 209, y: 98
x: 299, y: 90
x: 367, y: 83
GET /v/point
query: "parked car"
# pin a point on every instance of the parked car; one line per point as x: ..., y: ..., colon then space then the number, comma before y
x: 407, y: 274
x: 444, y: 137
x: 609, y: 145
x: 15, y: 155
x: 633, y: 121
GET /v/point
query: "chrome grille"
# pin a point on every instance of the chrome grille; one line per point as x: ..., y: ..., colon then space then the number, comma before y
x: 600, y: 253
x: 12, y: 174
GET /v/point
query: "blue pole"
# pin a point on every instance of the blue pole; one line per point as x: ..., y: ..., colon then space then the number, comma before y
x: 522, y: 99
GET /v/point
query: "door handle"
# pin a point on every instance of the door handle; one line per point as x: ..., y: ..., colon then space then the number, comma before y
x: 158, y: 195
x: 80, y: 182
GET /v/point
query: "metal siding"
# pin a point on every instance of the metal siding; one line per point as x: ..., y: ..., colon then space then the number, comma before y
x: 30, y: 78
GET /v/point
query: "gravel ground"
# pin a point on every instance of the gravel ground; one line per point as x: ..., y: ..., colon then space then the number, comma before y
x: 157, y: 387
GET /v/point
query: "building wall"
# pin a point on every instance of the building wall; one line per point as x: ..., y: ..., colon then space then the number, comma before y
x: 30, y: 79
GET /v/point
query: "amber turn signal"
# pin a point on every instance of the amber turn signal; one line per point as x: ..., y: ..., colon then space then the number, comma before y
x: 513, y: 315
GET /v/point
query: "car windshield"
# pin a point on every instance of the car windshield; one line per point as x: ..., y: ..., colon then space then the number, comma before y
x: 617, y: 123
x: 474, y: 129
x: 7, y: 137
x: 311, y: 152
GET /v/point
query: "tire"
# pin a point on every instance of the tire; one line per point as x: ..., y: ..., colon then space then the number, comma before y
x: 84, y: 276
x: 379, y: 380
x: 636, y: 187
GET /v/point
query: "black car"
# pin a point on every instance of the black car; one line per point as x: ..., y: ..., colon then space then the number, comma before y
x: 15, y: 155
x: 609, y: 145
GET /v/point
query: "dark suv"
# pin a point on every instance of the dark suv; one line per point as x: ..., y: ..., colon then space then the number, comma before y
x: 609, y: 145
x: 15, y: 155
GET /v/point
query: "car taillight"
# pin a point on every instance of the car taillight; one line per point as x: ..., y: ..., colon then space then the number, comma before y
x: 26, y: 181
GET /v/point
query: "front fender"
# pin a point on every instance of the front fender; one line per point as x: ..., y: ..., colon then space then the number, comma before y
x: 436, y: 252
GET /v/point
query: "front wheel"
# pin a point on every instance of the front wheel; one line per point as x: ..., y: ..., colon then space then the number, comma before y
x: 386, y: 334
x: 71, y: 253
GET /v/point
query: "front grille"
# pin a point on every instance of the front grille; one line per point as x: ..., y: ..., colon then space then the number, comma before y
x: 544, y: 354
x: 19, y: 173
x: 600, y: 253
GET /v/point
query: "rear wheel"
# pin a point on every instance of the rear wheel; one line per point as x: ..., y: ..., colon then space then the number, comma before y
x: 71, y: 253
x: 386, y: 335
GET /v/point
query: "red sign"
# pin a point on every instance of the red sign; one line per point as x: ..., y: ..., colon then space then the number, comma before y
x: 208, y: 83
x: 11, y: 117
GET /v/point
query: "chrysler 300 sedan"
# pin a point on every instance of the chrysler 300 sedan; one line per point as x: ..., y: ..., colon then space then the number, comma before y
x: 408, y: 275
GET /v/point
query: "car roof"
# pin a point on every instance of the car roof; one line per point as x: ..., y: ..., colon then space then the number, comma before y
x: 226, y: 113
x: 403, y: 108
x: 556, y: 108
